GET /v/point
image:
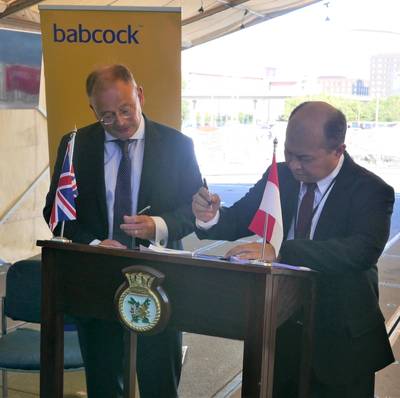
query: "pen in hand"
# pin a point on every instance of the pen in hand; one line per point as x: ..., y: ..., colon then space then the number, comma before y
x: 209, y: 201
x: 143, y: 210
x: 138, y: 214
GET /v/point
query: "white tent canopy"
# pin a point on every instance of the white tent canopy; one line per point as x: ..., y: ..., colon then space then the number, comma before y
x: 202, y: 20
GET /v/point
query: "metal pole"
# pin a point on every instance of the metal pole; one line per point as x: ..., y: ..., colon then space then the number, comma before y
x: 62, y: 229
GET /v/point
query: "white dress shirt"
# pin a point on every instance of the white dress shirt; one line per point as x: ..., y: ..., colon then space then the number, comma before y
x: 112, y: 158
x: 322, y: 192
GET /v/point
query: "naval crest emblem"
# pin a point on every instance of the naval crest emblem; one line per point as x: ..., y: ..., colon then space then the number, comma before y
x: 141, y: 302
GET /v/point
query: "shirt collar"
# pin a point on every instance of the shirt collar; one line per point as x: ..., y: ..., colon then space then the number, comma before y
x: 137, y: 135
x: 326, y: 181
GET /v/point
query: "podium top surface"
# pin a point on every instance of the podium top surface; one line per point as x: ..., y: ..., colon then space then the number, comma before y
x: 204, y: 261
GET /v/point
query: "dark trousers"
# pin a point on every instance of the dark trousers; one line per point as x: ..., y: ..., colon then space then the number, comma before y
x: 159, y: 360
x: 286, y: 371
x: 363, y: 387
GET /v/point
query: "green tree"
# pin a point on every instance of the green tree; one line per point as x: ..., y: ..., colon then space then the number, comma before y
x: 354, y: 110
x: 389, y: 109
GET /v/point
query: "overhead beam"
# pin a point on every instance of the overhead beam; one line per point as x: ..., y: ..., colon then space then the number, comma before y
x: 235, y: 26
x: 213, y: 11
x: 18, y: 5
x: 19, y: 24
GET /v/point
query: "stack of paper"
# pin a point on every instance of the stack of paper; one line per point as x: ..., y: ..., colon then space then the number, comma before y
x: 164, y: 250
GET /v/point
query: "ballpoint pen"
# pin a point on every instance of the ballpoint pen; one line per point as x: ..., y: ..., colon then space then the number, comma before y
x: 138, y: 214
x: 143, y: 210
x: 206, y: 187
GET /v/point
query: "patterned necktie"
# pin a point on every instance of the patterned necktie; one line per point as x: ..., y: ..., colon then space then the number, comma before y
x: 122, y: 194
x: 304, y: 217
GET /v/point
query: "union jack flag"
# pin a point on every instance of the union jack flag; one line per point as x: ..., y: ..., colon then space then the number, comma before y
x: 64, y: 202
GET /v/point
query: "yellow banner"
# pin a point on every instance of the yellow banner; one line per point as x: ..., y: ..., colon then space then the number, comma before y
x: 76, y: 40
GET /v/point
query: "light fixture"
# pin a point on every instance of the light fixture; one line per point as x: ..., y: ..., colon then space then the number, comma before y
x: 326, y: 4
x: 246, y: 11
x: 241, y: 7
x: 201, y: 9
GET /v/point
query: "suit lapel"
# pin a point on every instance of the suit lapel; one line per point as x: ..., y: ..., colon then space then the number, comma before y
x: 289, y: 191
x: 149, y: 169
x: 93, y: 160
x: 337, y: 196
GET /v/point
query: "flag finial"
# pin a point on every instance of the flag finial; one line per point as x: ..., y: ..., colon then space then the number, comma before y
x: 275, y: 144
x: 73, y: 133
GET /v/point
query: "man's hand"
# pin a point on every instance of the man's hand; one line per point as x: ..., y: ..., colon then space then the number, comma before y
x: 253, y: 251
x: 112, y: 243
x: 205, y: 205
x: 142, y: 227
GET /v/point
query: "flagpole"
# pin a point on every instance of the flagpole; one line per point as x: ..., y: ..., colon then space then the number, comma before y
x: 264, y: 237
x: 62, y: 229
x: 61, y: 238
x: 266, y: 216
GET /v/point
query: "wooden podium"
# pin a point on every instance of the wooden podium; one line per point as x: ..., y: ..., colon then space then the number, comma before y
x: 217, y: 298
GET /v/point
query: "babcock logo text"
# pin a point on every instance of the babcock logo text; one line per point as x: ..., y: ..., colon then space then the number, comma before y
x: 107, y: 36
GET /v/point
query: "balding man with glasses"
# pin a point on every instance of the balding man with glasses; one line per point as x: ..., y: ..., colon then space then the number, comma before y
x: 336, y: 220
x: 125, y: 163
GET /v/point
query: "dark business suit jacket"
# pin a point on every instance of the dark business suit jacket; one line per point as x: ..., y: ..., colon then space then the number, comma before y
x: 350, y: 336
x: 170, y: 176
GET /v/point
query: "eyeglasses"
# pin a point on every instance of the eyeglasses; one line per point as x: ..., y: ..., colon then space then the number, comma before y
x: 110, y: 117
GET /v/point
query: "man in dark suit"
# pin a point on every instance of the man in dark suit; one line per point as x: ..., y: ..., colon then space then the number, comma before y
x: 126, y: 160
x: 346, y: 231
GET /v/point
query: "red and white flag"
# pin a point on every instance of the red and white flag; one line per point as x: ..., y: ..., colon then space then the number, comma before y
x: 268, y: 217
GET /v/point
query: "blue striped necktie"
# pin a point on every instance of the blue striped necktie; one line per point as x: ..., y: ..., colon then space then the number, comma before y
x: 123, y: 194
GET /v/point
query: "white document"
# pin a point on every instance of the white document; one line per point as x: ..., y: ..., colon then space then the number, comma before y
x: 164, y: 250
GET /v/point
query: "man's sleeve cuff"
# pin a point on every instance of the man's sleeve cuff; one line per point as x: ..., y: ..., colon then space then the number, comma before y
x: 161, y: 238
x: 209, y: 224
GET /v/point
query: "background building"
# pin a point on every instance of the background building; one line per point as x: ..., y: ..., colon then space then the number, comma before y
x: 342, y: 85
x: 385, y: 75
